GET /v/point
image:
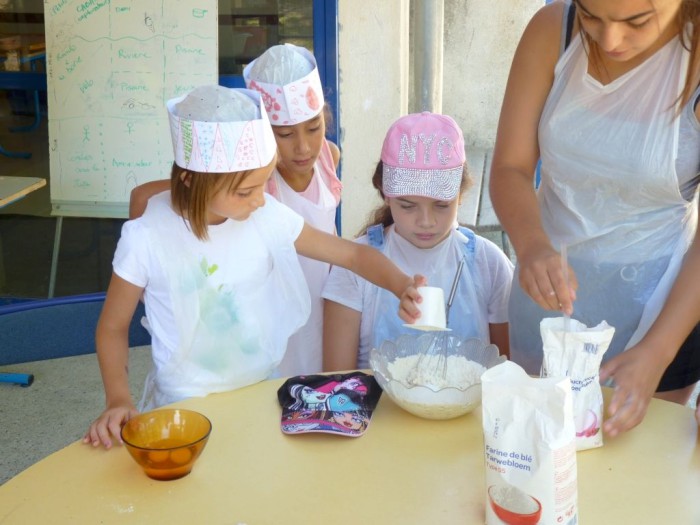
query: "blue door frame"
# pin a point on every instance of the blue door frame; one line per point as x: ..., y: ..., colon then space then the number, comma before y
x: 325, y: 24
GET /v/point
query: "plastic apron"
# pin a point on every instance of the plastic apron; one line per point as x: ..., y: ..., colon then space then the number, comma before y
x: 229, y: 336
x: 468, y: 314
x: 304, y: 349
x: 610, y: 192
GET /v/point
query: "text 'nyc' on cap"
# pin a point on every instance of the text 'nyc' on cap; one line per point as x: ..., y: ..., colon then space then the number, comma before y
x: 423, y: 155
x: 335, y: 404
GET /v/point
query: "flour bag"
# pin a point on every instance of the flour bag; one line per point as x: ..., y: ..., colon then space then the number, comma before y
x: 572, y: 349
x: 529, y: 447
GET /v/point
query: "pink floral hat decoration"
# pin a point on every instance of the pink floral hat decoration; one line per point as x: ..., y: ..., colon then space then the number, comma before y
x: 287, y: 77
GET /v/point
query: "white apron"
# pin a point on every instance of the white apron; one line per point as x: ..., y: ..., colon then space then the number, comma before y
x: 304, y: 350
x: 468, y: 314
x: 229, y: 336
x: 610, y: 192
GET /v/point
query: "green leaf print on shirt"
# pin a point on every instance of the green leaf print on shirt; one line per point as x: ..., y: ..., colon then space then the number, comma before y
x: 206, y: 269
x: 221, y: 338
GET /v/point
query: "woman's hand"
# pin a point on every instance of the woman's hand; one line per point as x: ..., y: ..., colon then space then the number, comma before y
x: 636, y: 373
x: 109, y: 426
x: 408, y: 311
x: 541, y: 276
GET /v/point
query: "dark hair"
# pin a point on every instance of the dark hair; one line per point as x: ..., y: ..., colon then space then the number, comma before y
x: 382, y: 214
x: 688, y: 14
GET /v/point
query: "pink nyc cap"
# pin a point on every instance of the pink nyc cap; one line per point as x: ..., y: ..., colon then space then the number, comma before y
x: 423, y: 154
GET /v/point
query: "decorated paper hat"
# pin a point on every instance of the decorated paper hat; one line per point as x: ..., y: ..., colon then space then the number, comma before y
x: 287, y: 77
x: 335, y: 404
x: 423, y: 154
x: 220, y: 130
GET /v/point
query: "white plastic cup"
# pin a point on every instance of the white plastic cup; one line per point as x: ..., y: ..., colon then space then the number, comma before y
x: 432, y: 309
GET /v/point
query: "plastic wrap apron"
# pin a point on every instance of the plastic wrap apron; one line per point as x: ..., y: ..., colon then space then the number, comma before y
x: 610, y: 192
x: 304, y: 349
x: 229, y: 337
x: 467, y: 317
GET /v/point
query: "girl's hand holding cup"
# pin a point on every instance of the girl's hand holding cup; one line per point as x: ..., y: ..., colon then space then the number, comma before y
x: 408, y: 307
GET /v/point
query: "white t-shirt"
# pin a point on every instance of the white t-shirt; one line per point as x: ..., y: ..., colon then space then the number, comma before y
x: 491, y: 266
x: 235, y: 254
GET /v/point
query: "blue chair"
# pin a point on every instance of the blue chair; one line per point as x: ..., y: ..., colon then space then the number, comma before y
x: 52, y: 328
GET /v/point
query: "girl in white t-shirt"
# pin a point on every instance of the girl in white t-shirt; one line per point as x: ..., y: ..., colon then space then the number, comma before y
x: 215, y: 261
x: 421, y: 178
x: 304, y: 177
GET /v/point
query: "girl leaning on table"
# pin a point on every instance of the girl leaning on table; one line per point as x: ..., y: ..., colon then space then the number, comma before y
x: 215, y: 260
x: 607, y: 94
x: 421, y: 178
x: 304, y: 177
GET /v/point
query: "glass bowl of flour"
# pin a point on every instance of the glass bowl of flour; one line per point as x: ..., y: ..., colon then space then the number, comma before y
x: 433, y: 375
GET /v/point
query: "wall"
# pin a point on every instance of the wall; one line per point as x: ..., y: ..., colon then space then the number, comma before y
x: 373, y: 89
x: 480, y: 39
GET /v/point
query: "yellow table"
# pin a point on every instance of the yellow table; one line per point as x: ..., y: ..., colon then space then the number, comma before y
x: 404, y: 470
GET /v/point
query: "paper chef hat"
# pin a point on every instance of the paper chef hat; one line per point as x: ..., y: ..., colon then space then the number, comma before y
x: 220, y: 130
x: 287, y: 76
x: 335, y: 404
x: 423, y: 154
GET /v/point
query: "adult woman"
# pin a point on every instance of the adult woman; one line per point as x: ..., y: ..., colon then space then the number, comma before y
x: 613, y: 114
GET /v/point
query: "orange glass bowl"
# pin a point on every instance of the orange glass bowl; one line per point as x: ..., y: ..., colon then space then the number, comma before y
x: 513, y: 518
x: 166, y: 442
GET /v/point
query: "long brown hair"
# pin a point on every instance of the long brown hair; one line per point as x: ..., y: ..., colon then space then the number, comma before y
x: 688, y: 15
x: 192, y: 191
x: 382, y: 214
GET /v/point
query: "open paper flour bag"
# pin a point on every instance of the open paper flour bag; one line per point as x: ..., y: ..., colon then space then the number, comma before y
x: 530, y: 450
x: 572, y: 349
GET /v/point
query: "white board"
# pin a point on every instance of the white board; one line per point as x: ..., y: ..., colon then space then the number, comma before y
x: 111, y: 66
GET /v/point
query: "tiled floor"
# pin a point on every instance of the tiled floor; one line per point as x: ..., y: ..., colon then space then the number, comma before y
x: 56, y: 410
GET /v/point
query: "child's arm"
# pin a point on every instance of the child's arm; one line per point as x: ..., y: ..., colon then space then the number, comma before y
x: 638, y: 370
x: 138, y: 199
x: 112, y: 341
x: 341, y: 336
x: 498, y: 333
x: 366, y: 262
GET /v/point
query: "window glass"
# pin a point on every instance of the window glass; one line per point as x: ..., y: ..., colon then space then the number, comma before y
x: 21, y: 35
x: 248, y: 27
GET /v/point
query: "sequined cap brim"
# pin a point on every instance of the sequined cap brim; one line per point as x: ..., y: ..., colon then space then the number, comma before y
x: 436, y: 184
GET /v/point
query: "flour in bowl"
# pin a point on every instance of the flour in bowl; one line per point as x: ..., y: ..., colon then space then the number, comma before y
x: 434, y: 388
x: 433, y: 371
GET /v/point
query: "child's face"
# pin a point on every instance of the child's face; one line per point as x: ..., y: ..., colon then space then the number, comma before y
x: 422, y: 221
x: 299, y: 147
x: 244, y: 200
